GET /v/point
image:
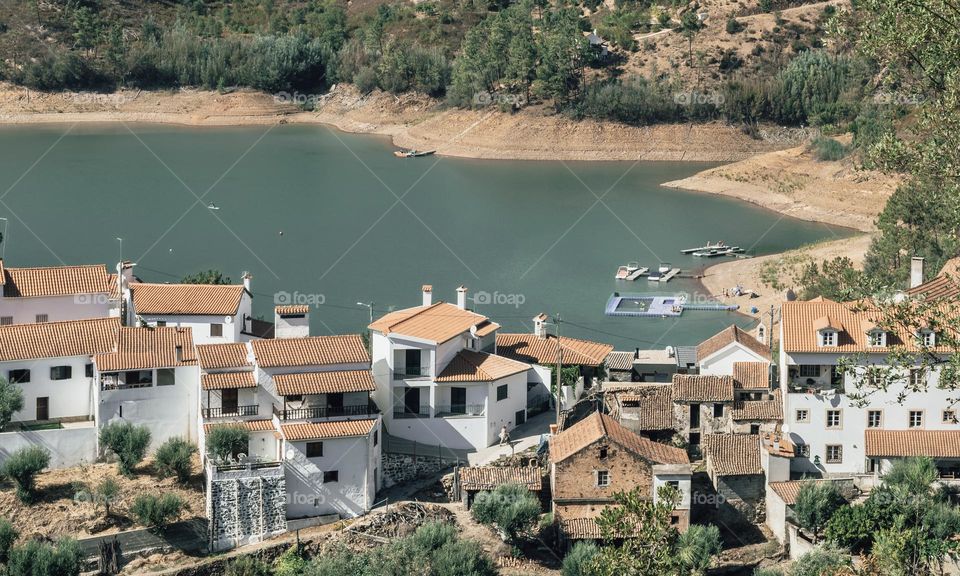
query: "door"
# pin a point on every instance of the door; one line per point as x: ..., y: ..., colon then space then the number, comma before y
x: 412, y: 364
x: 229, y: 401
x: 335, y: 404
x: 458, y: 400
x: 520, y: 417
x: 694, y: 416
x: 43, y: 408
x: 411, y: 401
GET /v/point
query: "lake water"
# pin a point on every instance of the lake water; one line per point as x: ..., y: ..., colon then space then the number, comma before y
x: 534, y: 236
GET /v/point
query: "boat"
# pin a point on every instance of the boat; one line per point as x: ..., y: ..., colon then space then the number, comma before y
x: 632, y: 267
x: 622, y: 273
x: 413, y: 153
x: 664, y: 267
x: 654, y: 277
x: 713, y: 252
x: 212, y: 206
x: 709, y: 246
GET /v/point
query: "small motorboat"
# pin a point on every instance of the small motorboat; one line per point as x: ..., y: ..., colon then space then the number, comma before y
x: 212, y: 206
x: 413, y: 153
x: 664, y: 267
x: 654, y: 277
x: 709, y: 246
x: 622, y: 273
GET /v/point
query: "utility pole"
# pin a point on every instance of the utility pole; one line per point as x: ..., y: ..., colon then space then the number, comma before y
x: 770, y: 349
x: 557, y: 321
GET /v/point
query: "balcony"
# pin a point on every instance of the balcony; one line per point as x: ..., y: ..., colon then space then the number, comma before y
x: 472, y: 410
x: 411, y: 412
x: 410, y: 373
x: 250, y: 410
x: 313, y: 412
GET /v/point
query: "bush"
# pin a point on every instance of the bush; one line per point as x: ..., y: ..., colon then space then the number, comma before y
x: 816, y: 503
x: 22, y: 468
x: 156, y: 511
x: 247, y: 566
x: 577, y: 562
x: 819, y: 561
x: 35, y: 558
x: 105, y: 493
x: 11, y: 399
x: 128, y: 442
x: 734, y: 26
x: 225, y: 442
x: 290, y: 563
x: 511, y: 507
x: 175, y: 458
x: 8, y: 535
x: 829, y: 149
x: 767, y: 572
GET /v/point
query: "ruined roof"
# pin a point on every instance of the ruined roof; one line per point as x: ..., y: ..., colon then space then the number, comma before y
x: 470, y: 366
x: 733, y: 454
x: 149, y: 347
x: 751, y: 375
x: 330, y: 382
x: 536, y: 350
x: 54, y: 281
x: 905, y: 443
x: 58, y: 339
x: 758, y: 409
x: 437, y: 322
x: 310, y: 351
x: 187, y: 299
x: 598, y: 426
x: 727, y: 336
x: 652, y: 404
x: 490, y: 477
x: 327, y: 430
x: 701, y: 388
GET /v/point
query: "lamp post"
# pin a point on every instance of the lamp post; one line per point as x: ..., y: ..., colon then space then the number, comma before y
x: 368, y: 306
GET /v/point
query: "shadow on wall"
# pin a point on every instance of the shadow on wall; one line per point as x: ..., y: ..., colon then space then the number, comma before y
x: 67, y: 446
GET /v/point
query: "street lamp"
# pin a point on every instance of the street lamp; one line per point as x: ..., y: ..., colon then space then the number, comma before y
x: 369, y: 307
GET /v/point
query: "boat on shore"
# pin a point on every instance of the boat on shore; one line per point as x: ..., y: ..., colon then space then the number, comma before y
x: 413, y: 153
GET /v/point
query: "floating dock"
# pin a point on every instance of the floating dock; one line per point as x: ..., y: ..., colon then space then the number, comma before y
x: 669, y: 275
x: 641, y: 271
x: 656, y: 305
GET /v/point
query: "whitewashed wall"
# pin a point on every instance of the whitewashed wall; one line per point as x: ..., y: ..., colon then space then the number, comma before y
x: 73, y: 398
x: 68, y: 446
x: 57, y: 308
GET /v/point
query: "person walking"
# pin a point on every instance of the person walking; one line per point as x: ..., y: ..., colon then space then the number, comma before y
x: 504, y: 435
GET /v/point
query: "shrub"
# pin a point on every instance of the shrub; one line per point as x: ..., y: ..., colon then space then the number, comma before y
x: 175, y: 458
x: 11, y: 400
x: 734, y: 26
x: 819, y: 561
x: 156, y: 511
x: 511, y: 507
x: 697, y: 547
x: 247, y: 566
x: 22, y: 468
x: 577, y: 562
x: 128, y: 442
x: 459, y: 558
x: 829, y: 149
x: 816, y: 503
x: 290, y: 563
x: 8, y: 535
x: 767, y: 572
x: 225, y: 442
x: 35, y: 558
x: 105, y: 493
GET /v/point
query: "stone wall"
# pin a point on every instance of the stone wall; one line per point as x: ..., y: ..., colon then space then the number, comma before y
x: 744, y: 495
x: 245, y: 506
x: 575, y: 476
x: 398, y: 468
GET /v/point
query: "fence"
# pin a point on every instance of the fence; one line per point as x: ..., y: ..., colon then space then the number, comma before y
x: 394, y: 445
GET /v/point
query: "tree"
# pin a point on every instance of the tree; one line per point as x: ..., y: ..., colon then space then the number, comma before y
x: 852, y: 526
x: 224, y: 442
x: 87, y: 28
x: 22, y: 468
x: 207, y: 277
x: 156, y: 511
x: 11, y: 401
x: 690, y: 26
x: 511, y: 507
x: 36, y: 558
x: 128, y: 442
x: 579, y: 560
x: 816, y: 503
x: 8, y: 535
x: 697, y: 547
x: 175, y: 458
x: 105, y: 493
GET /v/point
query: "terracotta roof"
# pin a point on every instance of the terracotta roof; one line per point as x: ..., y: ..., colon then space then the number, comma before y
x: 904, y: 443
x: 618, y: 360
x: 435, y: 323
x: 486, y: 328
x: 330, y: 382
x: 654, y: 406
x: 751, y: 375
x: 470, y: 366
x: 758, y: 409
x: 790, y: 489
x: 535, y: 350
x: 55, y: 281
x: 322, y: 430
x: 942, y: 287
x: 311, y: 351
x: 228, y: 380
x: 579, y: 521
x: 729, y: 336
x: 188, y: 299
x: 701, y: 388
x: 489, y: 477
x: 217, y: 356
x: 293, y: 310
x: 141, y: 348
x: 58, y: 339
x: 733, y: 454
x: 251, y: 425
x: 598, y: 426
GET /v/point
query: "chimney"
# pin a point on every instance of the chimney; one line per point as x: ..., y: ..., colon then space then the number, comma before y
x: 539, y: 326
x: 761, y: 333
x: 916, y: 271
x: 291, y: 321
x: 427, y: 294
x: 247, y: 277
x: 462, y: 297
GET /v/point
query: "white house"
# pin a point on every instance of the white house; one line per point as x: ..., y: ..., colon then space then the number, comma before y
x: 438, y: 378
x: 719, y: 354
x: 56, y: 294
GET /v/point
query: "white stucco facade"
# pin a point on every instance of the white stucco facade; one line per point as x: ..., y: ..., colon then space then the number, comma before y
x: 72, y: 398
x: 27, y: 310
x: 167, y: 409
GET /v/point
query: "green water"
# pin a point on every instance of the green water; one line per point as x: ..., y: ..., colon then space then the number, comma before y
x: 532, y: 233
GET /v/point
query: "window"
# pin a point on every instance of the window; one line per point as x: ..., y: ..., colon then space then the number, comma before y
x: 916, y: 419
x: 918, y: 377
x: 754, y: 428
x: 674, y: 520
x: 502, y: 392
x: 803, y: 450
x: 809, y: 371
x: 6, y: 320
x: 675, y: 484
x: 161, y: 323
x: 834, y: 453
x: 949, y: 417
x: 873, y: 465
x: 874, y: 418
x: 166, y: 377
x: 376, y: 437
x: 294, y: 398
x: 315, y: 450
x: 603, y: 478
x: 331, y: 476
x: 718, y: 410
x: 21, y: 376
x: 138, y: 377
x: 928, y: 338
x: 828, y: 338
x: 216, y: 330
x: 41, y: 318
x: 876, y: 338
x: 833, y: 418
x: 88, y: 370
x: 801, y: 415
x: 603, y: 452
x: 61, y: 372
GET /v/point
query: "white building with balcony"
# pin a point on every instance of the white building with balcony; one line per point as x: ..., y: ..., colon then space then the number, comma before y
x: 438, y: 378
x: 56, y: 294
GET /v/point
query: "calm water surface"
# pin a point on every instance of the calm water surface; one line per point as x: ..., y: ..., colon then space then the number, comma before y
x: 533, y: 235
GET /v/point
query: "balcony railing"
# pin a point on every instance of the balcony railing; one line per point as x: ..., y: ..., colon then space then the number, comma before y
x: 459, y: 410
x: 112, y: 384
x: 411, y: 412
x: 311, y: 412
x: 406, y: 373
x: 249, y: 410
